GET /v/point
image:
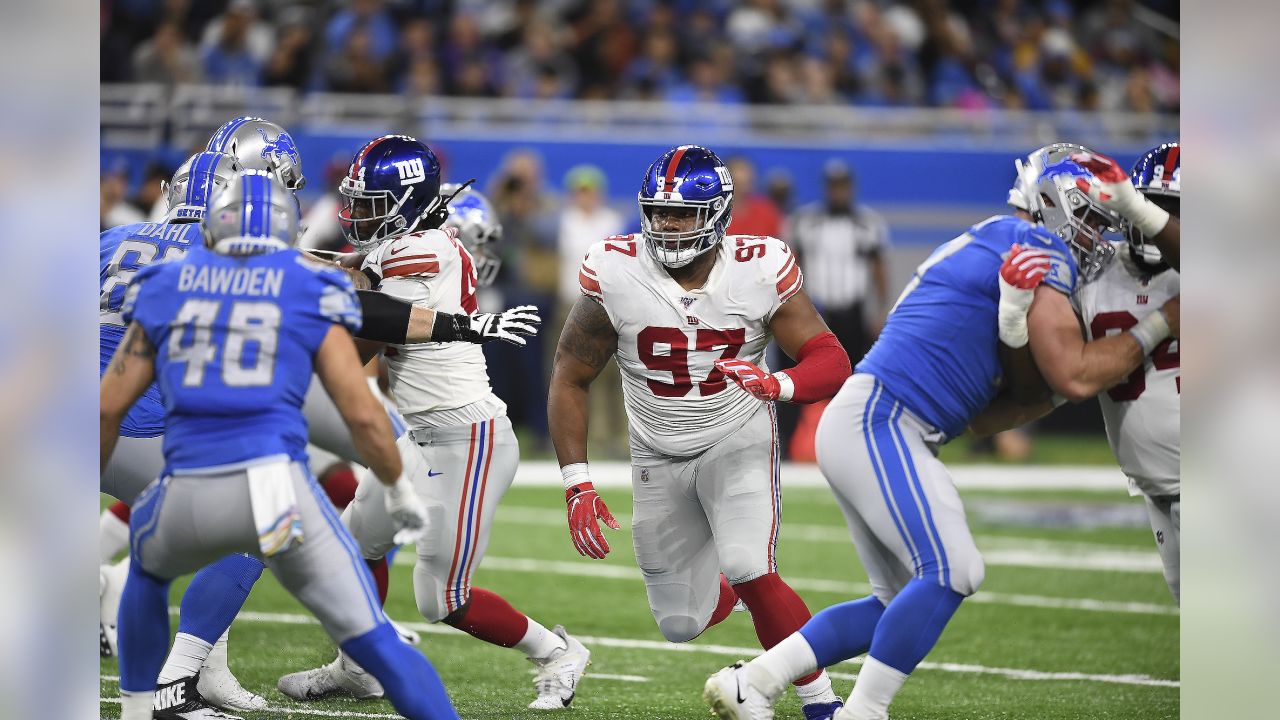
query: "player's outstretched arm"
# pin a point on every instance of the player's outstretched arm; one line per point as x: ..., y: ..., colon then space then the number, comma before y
x: 1116, y: 192
x: 339, y: 368
x: 587, y: 342
x: 1076, y: 369
x: 131, y: 371
x: 389, y: 320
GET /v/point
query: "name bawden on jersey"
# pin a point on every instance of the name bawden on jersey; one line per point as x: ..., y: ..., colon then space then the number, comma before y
x: 236, y: 281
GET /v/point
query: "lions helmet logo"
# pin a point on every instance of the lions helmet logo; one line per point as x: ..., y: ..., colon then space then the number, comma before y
x: 282, y: 145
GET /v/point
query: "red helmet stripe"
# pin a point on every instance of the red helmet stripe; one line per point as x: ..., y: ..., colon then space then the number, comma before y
x: 1170, y: 162
x: 671, y: 168
x: 355, y: 166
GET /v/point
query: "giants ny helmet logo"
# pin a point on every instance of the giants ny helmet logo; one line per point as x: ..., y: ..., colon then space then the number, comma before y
x: 411, y: 171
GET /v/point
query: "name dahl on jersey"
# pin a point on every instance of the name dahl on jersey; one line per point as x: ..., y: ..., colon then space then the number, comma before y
x: 258, y: 281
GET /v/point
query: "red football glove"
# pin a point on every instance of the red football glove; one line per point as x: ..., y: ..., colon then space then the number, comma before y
x: 1025, y: 267
x: 585, y: 506
x: 751, y: 378
x: 1116, y: 193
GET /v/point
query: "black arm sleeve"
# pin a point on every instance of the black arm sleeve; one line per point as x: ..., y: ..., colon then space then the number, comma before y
x: 385, y: 319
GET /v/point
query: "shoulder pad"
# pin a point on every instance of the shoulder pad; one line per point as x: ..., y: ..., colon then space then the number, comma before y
x: 417, y: 254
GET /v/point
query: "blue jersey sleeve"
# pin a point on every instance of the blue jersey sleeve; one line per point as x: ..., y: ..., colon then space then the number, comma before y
x: 1063, y: 273
x: 141, y: 302
x: 338, y: 301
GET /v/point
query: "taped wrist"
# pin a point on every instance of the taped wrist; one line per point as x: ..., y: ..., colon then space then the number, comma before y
x: 383, y: 318
x: 1151, y: 331
x: 1011, y: 316
x: 1149, y: 218
x: 575, y: 474
x: 822, y: 365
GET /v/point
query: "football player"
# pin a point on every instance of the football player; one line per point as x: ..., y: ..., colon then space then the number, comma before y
x: 198, y: 661
x: 210, y: 330
x: 1141, y: 413
x: 459, y: 427
x: 934, y: 370
x: 687, y: 313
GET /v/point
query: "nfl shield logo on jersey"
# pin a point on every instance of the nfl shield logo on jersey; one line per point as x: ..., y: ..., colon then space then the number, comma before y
x: 644, y: 475
x: 686, y: 302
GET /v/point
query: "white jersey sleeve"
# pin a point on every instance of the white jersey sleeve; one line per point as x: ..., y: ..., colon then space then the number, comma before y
x: 677, y: 403
x: 433, y: 268
x: 1142, y: 414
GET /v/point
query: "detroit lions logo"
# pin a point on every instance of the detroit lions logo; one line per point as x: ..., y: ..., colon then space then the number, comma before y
x: 282, y: 145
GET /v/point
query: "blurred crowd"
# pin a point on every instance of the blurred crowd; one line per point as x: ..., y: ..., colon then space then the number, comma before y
x: 1019, y: 54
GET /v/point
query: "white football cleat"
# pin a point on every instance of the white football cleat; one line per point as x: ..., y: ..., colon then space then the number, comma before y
x: 340, y: 677
x: 410, y: 637
x: 111, y: 579
x: 219, y: 687
x: 731, y: 696
x: 558, y: 675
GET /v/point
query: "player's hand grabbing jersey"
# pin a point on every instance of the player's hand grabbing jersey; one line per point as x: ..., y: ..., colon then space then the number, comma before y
x: 433, y: 268
x: 1142, y: 414
x: 677, y: 402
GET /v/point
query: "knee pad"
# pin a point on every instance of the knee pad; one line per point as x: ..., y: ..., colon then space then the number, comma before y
x: 679, y: 628
x: 967, y: 577
x: 430, y: 596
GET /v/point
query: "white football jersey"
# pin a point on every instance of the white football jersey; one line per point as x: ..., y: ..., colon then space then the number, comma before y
x: 433, y: 268
x: 1143, y: 413
x: 677, y: 403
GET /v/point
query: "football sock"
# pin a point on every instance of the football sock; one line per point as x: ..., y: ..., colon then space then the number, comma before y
x: 843, y: 631
x: 776, y: 610
x: 136, y: 706
x: 780, y: 664
x: 381, y: 577
x: 874, y: 689
x: 818, y: 691
x: 538, y: 642
x: 488, y: 617
x: 912, y: 623
x: 409, y: 681
x: 216, y: 594
x: 143, y: 631
x: 724, y: 606
x: 217, y: 659
x: 113, y: 532
x: 339, y: 483
x: 185, y: 658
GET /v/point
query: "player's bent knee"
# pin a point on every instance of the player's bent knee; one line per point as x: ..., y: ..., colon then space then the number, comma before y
x: 967, y: 577
x: 433, y: 607
x: 740, y: 563
x: 679, y: 628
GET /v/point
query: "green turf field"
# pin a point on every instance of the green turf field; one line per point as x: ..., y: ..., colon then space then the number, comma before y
x: 1071, y: 623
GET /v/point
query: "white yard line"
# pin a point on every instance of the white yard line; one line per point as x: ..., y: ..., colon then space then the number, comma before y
x: 619, y: 678
x: 545, y: 473
x: 996, y: 550
x: 747, y: 652
x: 839, y: 587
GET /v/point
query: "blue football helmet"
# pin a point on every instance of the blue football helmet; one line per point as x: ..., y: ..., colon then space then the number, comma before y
x: 393, y: 184
x: 478, y: 229
x: 690, y: 177
x: 194, y: 183
x: 259, y: 144
x: 1157, y: 174
x: 1068, y: 212
x: 255, y: 213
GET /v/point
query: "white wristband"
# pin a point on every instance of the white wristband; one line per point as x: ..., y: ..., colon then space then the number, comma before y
x: 1011, y: 315
x: 1149, y: 218
x: 574, y: 474
x: 1151, y: 331
x: 786, y: 387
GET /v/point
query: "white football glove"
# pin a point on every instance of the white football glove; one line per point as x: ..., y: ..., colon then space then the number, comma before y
x: 406, y: 511
x: 508, y: 326
x: 1115, y: 192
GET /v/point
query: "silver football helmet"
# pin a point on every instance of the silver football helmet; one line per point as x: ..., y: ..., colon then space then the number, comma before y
x: 1067, y: 211
x: 478, y: 229
x: 197, y: 180
x: 259, y: 144
x: 255, y: 213
x: 1022, y: 195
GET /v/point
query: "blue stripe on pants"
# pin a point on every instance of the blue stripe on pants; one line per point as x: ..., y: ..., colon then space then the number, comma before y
x: 905, y: 453
x: 872, y: 440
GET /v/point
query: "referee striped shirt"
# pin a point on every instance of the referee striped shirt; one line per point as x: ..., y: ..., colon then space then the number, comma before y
x: 836, y: 250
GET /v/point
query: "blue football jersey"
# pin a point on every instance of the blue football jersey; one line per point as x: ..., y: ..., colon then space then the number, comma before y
x: 937, y: 353
x: 124, y: 250
x: 235, y: 340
